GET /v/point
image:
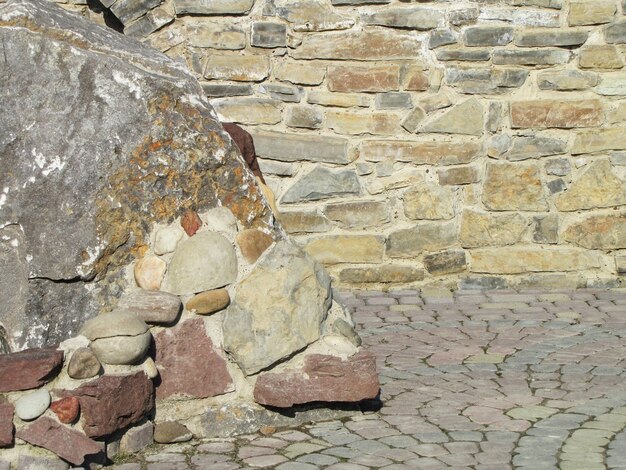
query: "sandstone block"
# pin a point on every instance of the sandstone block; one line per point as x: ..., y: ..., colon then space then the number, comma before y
x: 335, y: 249
x: 360, y: 45
x: 599, y: 140
x: 286, y: 93
x: 149, y: 272
x: 413, y: 120
x: 600, y: 57
x: 84, y: 364
x: 259, y: 333
x: 588, y: 13
x: 303, y: 222
x: 296, y: 147
x: 425, y: 152
x: 151, y: 21
x: 434, y: 102
x: 363, y: 78
x: 546, y: 229
x: 405, y: 17
x: 268, y: 34
x: 208, y: 302
x: 323, y: 183
x: 486, y: 80
x: 67, y: 443
x: 308, y: 16
x: 616, y: 33
x: 488, y: 35
x: 300, y: 73
x: 152, y: 307
x: 433, y: 236
x: 567, y: 80
x: 393, y: 100
x: 397, y: 180
x: 535, y: 147
x: 458, y: 175
x: 344, y: 122
x: 517, y: 187
x: 205, y: 32
x: 221, y: 90
x: 612, y: 84
x: 66, y: 409
x: 308, y: 118
x: 29, y: 369
x: 556, y: 113
x: 446, y: 262
x: 248, y: 110
x: 545, y: 56
x: 520, y: 260
x: 358, y: 215
x: 271, y: 167
x: 248, y: 68
x: 169, y: 432
x: 188, y: 363
x: 429, y: 201
x: 521, y: 16
x: 485, y: 229
x: 6, y: 425
x: 598, y: 186
x: 340, y: 100
x: 466, y: 118
x: 322, y: 378
x: 543, y: 38
x: 253, y: 243
x: 203, y: 262
x: 381, y: 274
x: 555, y: 4
x: 463, y: 55
x: 620, y: 263
x: 208, y: 7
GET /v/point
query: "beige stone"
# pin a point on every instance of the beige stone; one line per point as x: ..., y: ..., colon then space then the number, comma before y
x: 401, y: 179
x: 434, y: 102
x: 311, y: 15
x: 208, y: 302
x: 600, y: 57
x: 248, y: 110
x: 381, y: 274
x: 566, y: 80
x: 204, y: 32
x: 618, y: 115
x: 377, y: 78
x: 513, y: 186
x: 599, y: 140
x: 357, y: 215
x: 421, y: 152
x: 429, y: 201
x: 587, y: 12
x: 414, y: 78
x: 253, y: 243
x: 427, y: 236
x: 339, y: 100
x: 599, y: 232
x: 484, y: 229
x: 303, y: 221
x: 556, y: 113
x: 299, y: 73
x: 466, y: 118
x: 612, y: 84
x: 446, y: 262
x: 522, y: 260
x: 239, y: 68
x: 344, y: 122
x: 596, y: 187
x: 371, y: 44
x: 458, y: 175
x: 149, y: 272
x: 337, y: 249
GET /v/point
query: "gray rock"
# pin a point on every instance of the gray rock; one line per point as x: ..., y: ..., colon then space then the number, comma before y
x: 32, y: 462
x: 463, y: 16
x: 464, y: 55
x: 543, y: 38
x: 203, y: 262
x: 547, y: 56
x: 129, y: 10
x: 269, y: 35
x: 204, y: 7
x: 393, y: 100
x: 13, y: 284
x: 323, y: 183
x: 405, y: 17
x: 488, y: 35
x: 345, y: 329
x: 407, y: 243
x: 446, y: 262
x: 216, y: 90
x: 535, y: 147
x: 546, y: 229
x: 442, y: 37
x: 152, y: 306
x: 486, y: 80
x: 169, y: 432
x: 413, y: 120
x: 291, y: 94
x: 83, y: 364
x: 32, y: 405
x: 295, y: 147
x: 137, y: 438
x: 482, y: 283
x: 261, y: 331
x: 309, y: 118
x: 616, y: 33
x: 558, y: 167
x: 566, y: 80
x: 557, y: 186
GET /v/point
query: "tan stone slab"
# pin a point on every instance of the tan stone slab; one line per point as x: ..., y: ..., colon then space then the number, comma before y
x: 303, y: 221
x: 248, y: 110
x: 488, y: 229
x: 514, y: 186
x: 421, y: 152
x: 364, y: 78
x: 600, y: 140
x: 206, y: 32
x: 587, y: 13
x: 600, y: 57
x: 300, y: 73
x: 249, y: 68
x: 466, y: 118
x: 556, y: 113
x: 339, y: 100
x: 429, y: 201
x: 521, y: 260
x: 599, y: 232
x: 353, y: 123
x: 347, y: 249
x: 598, y: 186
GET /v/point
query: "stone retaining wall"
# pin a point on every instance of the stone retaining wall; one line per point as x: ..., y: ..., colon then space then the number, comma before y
x: 474, y: 143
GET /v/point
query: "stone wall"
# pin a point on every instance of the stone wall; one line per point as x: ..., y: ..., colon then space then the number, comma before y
x: 473, y: 143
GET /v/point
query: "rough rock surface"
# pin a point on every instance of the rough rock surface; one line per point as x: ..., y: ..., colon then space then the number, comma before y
x: 29, y: 369
x: 152, y: 307
x: 66, y: 409
x: 253, y: 243
x: 113, y: 402
x: 83, y: 364
x: 188, y: 364
x: 133, y: 141
x: 6, y: 424
x: 258, y: 331
x: 322, y: 378
x: 67, y: 443
x: 171, y: 431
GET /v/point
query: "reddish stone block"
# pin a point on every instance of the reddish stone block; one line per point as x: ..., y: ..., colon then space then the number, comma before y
x: 66, y: 409
x: 6, y: 424
x: 556, y: 113
x: 29, y: 369
x: 363, y: 79
x: 323, y: 378
x: 190, y: 222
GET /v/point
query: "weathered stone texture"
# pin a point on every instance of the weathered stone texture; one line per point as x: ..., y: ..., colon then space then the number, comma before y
x: 596, y: 187
x: 556, y: 113
x: 347, y: 249
x: 599, y: 232
x: 515, y: 187
x: 296, y: 147
x: 429, y: 201
x: 303, y: 221
x: 6, y: 424
x: 600, y: 57
x: 446, y: 262
x: 424, y: 152
x: 378, y: 123
x: 567, y: 80
x: 29, y: 369
x: 358, y: 215
x: 208, y: 7
x: 484, y: 229
x: 381, y: 274
x: 251, y: 68
x: 519, y: 260
x: 459, y: 175
x: 405, y: 18
x: 267, y: 34
x: 589, y: 13
x: 323, y: 183
x: 203, y: 33
x: 466, y: 118
x: 599, y: 140
x: 434, y: 236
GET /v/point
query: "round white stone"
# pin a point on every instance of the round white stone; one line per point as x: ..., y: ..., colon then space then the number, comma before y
x: 167, y: 239
x: 32, y: 405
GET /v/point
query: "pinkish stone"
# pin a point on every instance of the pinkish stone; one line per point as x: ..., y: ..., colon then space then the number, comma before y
x: 323, y: 378
x: 66, y: 409
x: 68, y: 444
x: 6, y: 424
x: 28, y: 369
x: 190, y: 222
x: 112, y: 402
x: 188, y: 363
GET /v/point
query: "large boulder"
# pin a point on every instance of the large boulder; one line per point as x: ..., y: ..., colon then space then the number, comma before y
x: 104, y: 137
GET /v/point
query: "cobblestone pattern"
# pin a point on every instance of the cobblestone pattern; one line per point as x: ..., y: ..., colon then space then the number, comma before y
x: 472, y: 380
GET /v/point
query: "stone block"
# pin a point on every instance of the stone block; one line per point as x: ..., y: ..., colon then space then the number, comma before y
x: 253, y: 243
x: 612, y: 84
x: 381, y: 274
x: 6, y: 425
x: 393, y: 100
x: 555, y: 4
x: 219, y: 90
x: 545, y: 56
x: 446, y: 262
x: 343, y: 122
x: 169, y: 432
x: 28, y: 369
x: 268, y: 35
x: 248, y: 110
x: 137, y: 438
x: 288, y: 93
x: 322, y: 183
x: 210, y: 34
x: 309, y: 16
x: 370, y: 45
x: 428, y: 236
x: 463, y: 16
x: 558, y: 167
x: 466, y: 118
x: 442, y: 37
x: 494, y: 116
x: 414, y: 18
x: 300, y: 73
x: 486, y: 80
x: 304, y: 117
x: 398, y: 180
x: 620, y: 263
x: 152, y: 306
x: 546, y: 229
x: 434, y: 102
x: 559, y: 38
x: 599, y: 140
x: 556, y: 186
x: 413, y: 120
x: 600, y: 57
x: 521, y: 16
x: 360, y: 2
x: 458, y: 175
x: 421, y: 152
x: 301, y: 147
x: 463, y: 55
x: 363, y: 78
x: 513, y: 186
x: 429, y: 201
x: 556, y: 113
x: 238, y: 68
x: 482, y: 283
x: 358, y: 215
x: 567, y: 80
x: 414, y: 78
x: 209, y: 7
x: 357, y: 249
x: 339, y: 100
x: 151, y: 21
x: 486, y: 229
x: 588, y: 13
x: 524, y: 260
x: 303, y: 222
x: 488, y: 35
x: 129, y: 10
x: 598, y: 186
x: 616, y: 33
x: 535, y: 147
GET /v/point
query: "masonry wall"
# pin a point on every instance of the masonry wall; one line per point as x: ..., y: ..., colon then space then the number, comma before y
x: 469, y: 143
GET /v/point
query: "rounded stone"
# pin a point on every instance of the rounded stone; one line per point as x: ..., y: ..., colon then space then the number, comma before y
x: 166, y: 240
x: 83, y: 364
x: 150, y: 368
x: 116, y: 323
x: 66, y: 409
x: 149, y: 272
x: 171, y: 431
x: 209, y: 302
x: 32, y: 405
x: 122, y: 350
x: 220, y: 219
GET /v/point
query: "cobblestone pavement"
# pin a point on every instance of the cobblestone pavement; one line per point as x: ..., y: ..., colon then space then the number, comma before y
x: 477, y: 380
